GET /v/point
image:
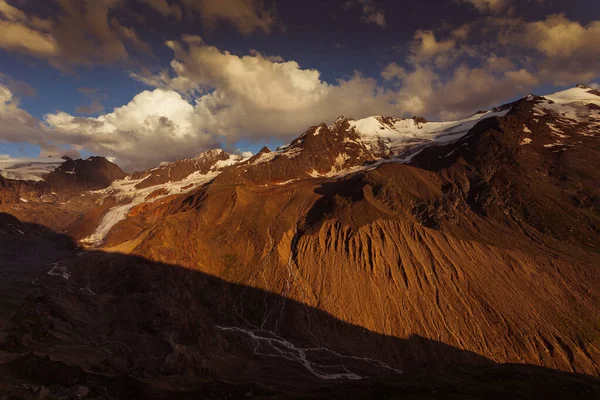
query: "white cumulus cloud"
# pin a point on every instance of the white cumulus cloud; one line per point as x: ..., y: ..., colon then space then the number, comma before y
x: 257, y: 97
x: 153, y: 126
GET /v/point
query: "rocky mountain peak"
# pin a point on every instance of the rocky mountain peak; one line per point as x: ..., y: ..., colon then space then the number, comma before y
x: 207, y: 162
x: 95, y: 172
x: 264, y: 150
x: 340, y: 123
x: 212, y: 154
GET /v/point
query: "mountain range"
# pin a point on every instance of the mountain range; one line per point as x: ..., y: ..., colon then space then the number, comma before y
x: 395, y: 256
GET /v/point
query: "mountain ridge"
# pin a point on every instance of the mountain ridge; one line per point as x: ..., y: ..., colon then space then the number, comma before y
x: 344, y: 147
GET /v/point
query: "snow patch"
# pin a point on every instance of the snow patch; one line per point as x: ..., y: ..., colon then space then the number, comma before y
x: 265, y: 157
x: 557, y: 131
x: 314, y: 173
x: 286, y: 182
x: 574, y: 95
x: 293, y: 152
x: 232, y: 160
x: 572, y: 107
x: 449, y: 154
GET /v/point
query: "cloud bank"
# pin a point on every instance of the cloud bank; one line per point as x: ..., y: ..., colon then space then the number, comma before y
x: 93, y: 32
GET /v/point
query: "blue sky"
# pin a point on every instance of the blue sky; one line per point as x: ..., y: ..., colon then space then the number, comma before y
x: 337, y: 38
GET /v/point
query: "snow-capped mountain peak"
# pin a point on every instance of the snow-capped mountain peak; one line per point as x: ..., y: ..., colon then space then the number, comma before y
x: 577, y: 94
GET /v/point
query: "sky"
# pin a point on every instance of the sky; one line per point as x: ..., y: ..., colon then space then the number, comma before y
x: 147, y: 81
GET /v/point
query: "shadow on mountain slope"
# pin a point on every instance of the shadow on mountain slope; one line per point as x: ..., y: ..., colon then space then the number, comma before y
x: 126, y: 327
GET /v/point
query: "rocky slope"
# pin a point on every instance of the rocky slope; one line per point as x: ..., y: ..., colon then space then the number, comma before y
x: 379, y: 248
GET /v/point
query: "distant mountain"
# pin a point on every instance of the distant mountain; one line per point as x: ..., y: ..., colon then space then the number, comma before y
x: 28, y: 169
x: 47, y: 180
x: 61, y: 173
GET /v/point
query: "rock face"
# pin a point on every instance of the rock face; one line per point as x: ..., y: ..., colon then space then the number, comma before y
x: 90, y: 174
x: 365, y: 250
